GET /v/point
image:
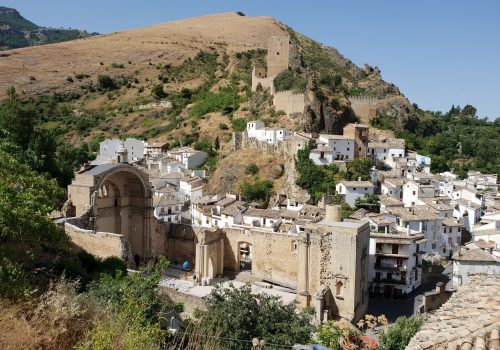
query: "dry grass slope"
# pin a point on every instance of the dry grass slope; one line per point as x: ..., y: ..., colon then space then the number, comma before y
x: 171, y: 42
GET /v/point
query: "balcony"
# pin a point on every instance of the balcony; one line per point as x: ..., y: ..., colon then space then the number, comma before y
x: 394, y: 268
x: 401, y: 281
x: 390, y: 254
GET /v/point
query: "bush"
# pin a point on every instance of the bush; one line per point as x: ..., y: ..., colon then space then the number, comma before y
x: 223, y: 126
x: 290, y: 80
x: 258, y: 191
x: 117, y: 65
x: 158, y: 92
x: 251, y: 169
x: 399, y: 334
x: 239, y: 124
x: 253, y: 315
x: 106, y: 83
x: 225, y: 100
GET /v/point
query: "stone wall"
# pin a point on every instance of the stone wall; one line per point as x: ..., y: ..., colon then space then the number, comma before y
x: 290, y: 102
x: 364, y: 107
x: 433, y: 300
x: 100, y: 244
x: 265, y: 82
x: 190, y: 302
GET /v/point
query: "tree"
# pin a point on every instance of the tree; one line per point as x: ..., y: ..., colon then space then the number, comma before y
x: 16, y: 120
x: 26, y: 199
x: 217, y: 143
x: 399, y: 334
x: 158, y: 92
x: 359, y: 168
x: 236, y: 313
x: 106, y: 83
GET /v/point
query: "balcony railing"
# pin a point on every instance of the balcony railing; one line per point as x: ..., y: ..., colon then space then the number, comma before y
x: 390, y: 281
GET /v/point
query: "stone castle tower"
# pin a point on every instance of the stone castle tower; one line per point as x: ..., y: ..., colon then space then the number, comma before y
x: 278, y: 52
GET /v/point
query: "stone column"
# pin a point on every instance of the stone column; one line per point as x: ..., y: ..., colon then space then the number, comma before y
x: 318, y: 307
x: 220, y: 257
x: 199, y: 269
x: 303, y: 268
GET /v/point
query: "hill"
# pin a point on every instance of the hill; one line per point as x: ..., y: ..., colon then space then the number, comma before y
x: 16, y: 31
x: 199, y: 69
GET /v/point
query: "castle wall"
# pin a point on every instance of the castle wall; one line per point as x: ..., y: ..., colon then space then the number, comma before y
x: 289, y: 102
x: 267, y: 82
x: 364, y: 107
x: 100, y: 244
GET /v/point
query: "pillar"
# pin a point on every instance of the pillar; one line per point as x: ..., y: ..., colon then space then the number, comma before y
x: 303, y: 275
x: 318, y: 307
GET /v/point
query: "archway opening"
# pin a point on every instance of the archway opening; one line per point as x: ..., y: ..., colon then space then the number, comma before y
x: 121, y: 205
x: 245, y: 254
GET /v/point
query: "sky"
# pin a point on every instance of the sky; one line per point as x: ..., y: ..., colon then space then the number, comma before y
x: 438, y: 52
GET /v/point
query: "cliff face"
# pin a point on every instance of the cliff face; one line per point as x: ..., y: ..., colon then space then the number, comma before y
x: 333, y: 79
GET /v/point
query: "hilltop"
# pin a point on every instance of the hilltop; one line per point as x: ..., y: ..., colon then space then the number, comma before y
x: 16, y: 31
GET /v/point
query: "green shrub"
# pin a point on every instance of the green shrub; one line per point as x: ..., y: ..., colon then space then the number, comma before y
x: 158, y: 92
x: 117, y: 65
x: 223, y: 126
x: 399, y: 334
x: 258, y: 191
x: 239, y: 124
x: 290, y: 80
x: 251, y: 169
x: 106, y: 83
x: 226, y: 100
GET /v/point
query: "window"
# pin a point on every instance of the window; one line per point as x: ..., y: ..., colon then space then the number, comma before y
x: 366, y: 188
x: 414, y: 193
x: 395, y: 249
x: 354, y: 188
x: 433, y: 245
x: 295, y: 246
x: 338, y: 289
x: 348, y: 149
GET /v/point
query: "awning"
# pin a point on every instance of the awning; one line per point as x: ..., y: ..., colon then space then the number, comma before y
x: 420, y: 241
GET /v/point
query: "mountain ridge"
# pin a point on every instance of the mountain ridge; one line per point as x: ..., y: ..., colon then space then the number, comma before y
x: 16, y: 31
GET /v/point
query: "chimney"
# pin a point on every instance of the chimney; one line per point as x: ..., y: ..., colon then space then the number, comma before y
x: 333, y: 213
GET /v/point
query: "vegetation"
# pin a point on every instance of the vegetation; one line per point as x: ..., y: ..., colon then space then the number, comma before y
x: 290, y: 80
x: 251, y: 169
x: 225, y: 101
x: 399, y: 334
x: 258, y: 191
x: 368, y: 202
x: 456, y: 140
x: 237, y: 316
x: 330, y: 334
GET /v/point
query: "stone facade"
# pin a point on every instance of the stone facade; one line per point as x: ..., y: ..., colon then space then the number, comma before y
x: 116, y: 199
x: 289, y: 102
x: 364, y: 107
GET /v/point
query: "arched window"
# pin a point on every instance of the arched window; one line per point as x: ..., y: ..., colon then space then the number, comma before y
x: 338, y: 289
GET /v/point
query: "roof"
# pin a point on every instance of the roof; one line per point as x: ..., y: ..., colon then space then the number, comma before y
x: 450, y: 222
x: 395, y: 182
x: 356, y: 183
x: 322, y: 149
x: 164, y: 200
x: 266, y: 213
x: 417, y: 212
x: 390, y: 201
x: 234, y: 208
x: 467, y: 203
x: 470, y: 319
x: 471, y: 252
x: 335, y: 137
x: 225, y: 201
x: 395, y: 238
x: 357, y: 125
x: 390, y: 143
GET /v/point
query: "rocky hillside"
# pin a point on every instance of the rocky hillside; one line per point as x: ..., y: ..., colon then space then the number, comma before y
x: 199, y: 69
x: 17, y: 32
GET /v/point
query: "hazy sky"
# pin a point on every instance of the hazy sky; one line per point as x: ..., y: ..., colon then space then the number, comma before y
x: 439, y: 52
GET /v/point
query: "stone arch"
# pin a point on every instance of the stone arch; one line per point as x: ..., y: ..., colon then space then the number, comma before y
x: 122, y: 204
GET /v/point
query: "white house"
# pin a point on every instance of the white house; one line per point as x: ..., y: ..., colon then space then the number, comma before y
x: 468, y: 212
x: 351, y: 190
x: 331, y: 148
x: 189, y: 157
x: 424, y: 163
x: 413, y: 191
x: 393, y: 187
x: 155, y: 149
x: 256, y: 129
x: 167, y: 209
x: 192, y: 187
x: 386, y: 151
x: 109, y: 148
x: 471, y: 259
x: 395, y: 257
